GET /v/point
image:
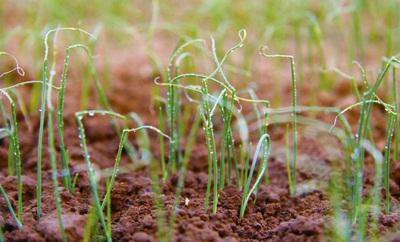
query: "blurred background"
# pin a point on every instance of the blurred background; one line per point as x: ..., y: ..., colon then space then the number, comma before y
x: 136, y: 37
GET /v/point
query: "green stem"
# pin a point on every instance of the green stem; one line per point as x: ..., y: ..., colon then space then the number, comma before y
x: 294, y: 122
x: 60, y: 123
x: 92, y: 180
x: 211, y: 148
x: 42, y: 111
x: 53, y: 163
x: 247, y: 191
x: 161, y: 141
x: 386, y: 171
x: 10, y: 207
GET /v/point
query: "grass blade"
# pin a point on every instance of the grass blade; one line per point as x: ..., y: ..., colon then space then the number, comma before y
x: 247, y: 191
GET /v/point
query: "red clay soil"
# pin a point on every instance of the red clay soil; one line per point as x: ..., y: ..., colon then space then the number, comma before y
x: 275, y: 216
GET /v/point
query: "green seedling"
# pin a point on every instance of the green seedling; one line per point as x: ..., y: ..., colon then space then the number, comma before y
x: 375, y: 195
x: 247, y: 191
x: 42, y: 110
x: 91, y: 229
x: 52, y: 150
x: 15, y: 149
x: 12, y: 133
x: 92, y: 180
x: 10, y: 207
x: 12, y: 159
x: 173, y: 104
x: 368, y: 98
x: 161, y: 141
x: 262, y: 127
x: 60, y: 107
x: 119, y: 153
x: 393, y: 124
x: 14, y: 139
x: 294, y: 105
x: 123, y: 138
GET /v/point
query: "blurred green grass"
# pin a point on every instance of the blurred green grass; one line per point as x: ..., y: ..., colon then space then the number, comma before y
x: 320, y: 34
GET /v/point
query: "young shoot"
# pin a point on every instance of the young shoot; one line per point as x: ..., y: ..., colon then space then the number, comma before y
x: 92, y: 180
x: 51, y: 143
x: 386, y: 167
x: 173, y: 103
x: 247, y: 191
x: 42, y: 110
x: 16, y: 154
x: 12, y: 133
x: 227, y: 146
x: 211, y: 148
x: 361, y: 134
x: 14, y: 139
x: 263, y: 52
x: 123, y: 139
x: 392, y: 123
x: 161, y: 141
x: 10, y: 207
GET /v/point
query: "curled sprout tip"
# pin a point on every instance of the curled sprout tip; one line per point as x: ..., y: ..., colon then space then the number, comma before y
x: 242, y: 35
x: 20, y: 71
x: 157, y: 81
x: 151, y: 128
x: 56, y: 30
